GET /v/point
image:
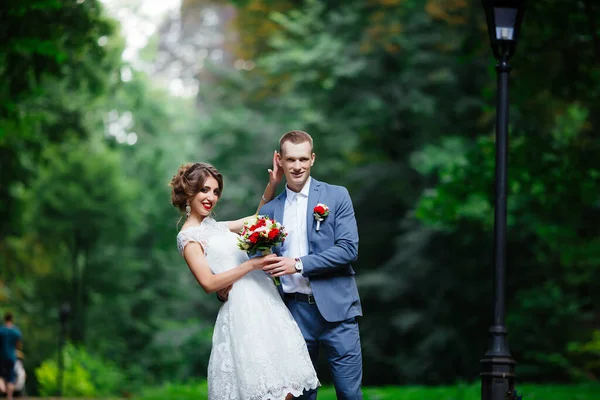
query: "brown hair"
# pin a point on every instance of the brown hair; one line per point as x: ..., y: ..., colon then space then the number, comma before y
x: 8, y: 317
x: 296, y: 137
x: 188, y: 181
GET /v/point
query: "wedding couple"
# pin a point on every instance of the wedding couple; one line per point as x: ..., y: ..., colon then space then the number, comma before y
x: 266, y: 338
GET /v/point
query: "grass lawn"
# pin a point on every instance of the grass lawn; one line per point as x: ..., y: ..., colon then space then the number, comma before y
x: 197, y: 391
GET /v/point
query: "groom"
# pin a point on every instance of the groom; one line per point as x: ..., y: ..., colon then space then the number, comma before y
x: 314, y: 264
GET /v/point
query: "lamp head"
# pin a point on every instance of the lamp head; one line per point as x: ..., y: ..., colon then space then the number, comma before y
x: 504, y: 24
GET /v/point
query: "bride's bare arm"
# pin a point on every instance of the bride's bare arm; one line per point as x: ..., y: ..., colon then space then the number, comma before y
x: 196, y: 261
x: 237, y: 225
x: 275, y: 176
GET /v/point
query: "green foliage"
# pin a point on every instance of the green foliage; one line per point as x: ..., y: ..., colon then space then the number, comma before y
x: 590, y: 348
x: 371, y: 86
x: 399, y: 96
x: 91, y: 209
x: 84, y: 375
x: 49, y: 58
x: 93, y: 202
x: 558, y: 270
x: 89, y: 218
x: 457, y: 392
x: 174, y: 390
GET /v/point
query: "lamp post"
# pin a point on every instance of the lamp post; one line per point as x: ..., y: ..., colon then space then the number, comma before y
x: 63, y: 317
x: 497, y: 366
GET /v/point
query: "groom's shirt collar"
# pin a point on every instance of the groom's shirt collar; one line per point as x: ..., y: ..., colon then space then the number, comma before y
x: 290, y: 194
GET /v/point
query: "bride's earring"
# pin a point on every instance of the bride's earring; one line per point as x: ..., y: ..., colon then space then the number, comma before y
x: 188, y: 210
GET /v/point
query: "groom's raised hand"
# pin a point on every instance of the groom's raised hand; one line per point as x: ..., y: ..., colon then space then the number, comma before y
x: 281, y: 266
x: 275, y: 174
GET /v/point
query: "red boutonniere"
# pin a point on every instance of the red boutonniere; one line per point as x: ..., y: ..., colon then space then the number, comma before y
x: 320, y: 212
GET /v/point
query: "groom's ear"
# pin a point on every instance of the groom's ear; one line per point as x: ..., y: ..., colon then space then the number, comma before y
x: 312, y: 161
x: 279, y: 159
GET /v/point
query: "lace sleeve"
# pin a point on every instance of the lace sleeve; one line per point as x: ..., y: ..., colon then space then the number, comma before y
x: 183, y: 238
x: 220, y: 226
x: 200, y: 234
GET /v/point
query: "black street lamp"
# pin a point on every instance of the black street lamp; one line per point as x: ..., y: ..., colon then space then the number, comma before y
x: 63, y: 317
x: 497, y: 366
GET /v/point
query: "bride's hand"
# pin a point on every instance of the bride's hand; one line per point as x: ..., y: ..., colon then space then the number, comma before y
x: 275, y: 174
x: 260, y: 262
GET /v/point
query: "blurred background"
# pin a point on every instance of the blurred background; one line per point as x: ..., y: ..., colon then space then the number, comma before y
x: 101, y: 101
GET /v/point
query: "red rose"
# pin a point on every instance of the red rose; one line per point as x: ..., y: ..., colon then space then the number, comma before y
x: 260, y: 223
x: 274, y: 233
x: 319, y: 210
x: 254, y: 237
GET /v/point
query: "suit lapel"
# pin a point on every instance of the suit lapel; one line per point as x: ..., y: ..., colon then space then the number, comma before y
x: 313, y: 199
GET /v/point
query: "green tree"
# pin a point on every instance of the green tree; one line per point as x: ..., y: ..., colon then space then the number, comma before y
x: 553, y: 248
x: 84, y: 375
x: 80, y: 203
x: 45, y: 46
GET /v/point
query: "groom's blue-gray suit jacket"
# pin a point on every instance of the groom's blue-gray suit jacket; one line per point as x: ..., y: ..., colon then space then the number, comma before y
x: 331, y: 250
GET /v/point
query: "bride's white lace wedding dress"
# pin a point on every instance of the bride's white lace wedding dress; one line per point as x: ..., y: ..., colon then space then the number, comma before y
x: 258, y: 352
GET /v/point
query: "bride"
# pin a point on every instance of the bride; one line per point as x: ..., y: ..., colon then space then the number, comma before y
x: 258, y: 352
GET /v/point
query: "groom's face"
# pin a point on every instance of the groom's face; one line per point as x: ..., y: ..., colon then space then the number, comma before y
x: 295, y: 160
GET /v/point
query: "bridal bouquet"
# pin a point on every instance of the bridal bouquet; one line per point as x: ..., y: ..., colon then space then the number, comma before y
x: 260, y: 235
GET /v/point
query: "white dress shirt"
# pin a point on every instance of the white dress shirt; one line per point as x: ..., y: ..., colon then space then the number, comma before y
x: 296, y: 243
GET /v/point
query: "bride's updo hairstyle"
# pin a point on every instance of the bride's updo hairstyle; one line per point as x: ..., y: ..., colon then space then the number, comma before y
x: 188, y: 181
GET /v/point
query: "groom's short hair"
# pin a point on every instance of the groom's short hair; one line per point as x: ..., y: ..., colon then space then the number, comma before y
x: 296, y: 137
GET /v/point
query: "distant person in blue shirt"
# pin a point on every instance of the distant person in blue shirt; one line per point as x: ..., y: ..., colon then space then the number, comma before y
x: 10, y: 341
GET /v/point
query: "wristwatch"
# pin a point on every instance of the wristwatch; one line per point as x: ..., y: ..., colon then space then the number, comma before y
x: 298, y: 265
